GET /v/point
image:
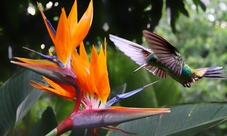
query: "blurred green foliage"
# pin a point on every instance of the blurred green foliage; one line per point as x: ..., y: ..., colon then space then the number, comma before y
x: 201, y: 41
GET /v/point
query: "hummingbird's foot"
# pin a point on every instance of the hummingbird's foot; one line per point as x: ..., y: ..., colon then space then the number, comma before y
x: 187, y: 85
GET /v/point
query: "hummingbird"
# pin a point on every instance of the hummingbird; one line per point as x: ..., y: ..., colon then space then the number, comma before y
x: 163, y: 60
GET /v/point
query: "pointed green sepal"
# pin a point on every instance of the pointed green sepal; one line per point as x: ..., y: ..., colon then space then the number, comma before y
x: 52, y: 133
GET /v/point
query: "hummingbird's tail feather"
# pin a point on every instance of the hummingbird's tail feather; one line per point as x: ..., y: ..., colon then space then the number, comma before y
x: 212, y: 72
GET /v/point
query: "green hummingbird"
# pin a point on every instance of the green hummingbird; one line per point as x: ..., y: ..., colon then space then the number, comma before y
x: 163, y: 59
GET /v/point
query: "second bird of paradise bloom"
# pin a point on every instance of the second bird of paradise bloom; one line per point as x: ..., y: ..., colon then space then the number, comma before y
x: 72, y: 76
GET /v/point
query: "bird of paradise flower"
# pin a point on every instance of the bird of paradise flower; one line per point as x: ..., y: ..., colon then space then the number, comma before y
x: 72, y: 76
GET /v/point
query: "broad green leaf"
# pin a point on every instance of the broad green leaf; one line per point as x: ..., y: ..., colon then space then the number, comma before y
x: 14, y: 93
x: 167, y: 92
x: 45, y: 124
x: 23, y: 108
x: 185, y: 119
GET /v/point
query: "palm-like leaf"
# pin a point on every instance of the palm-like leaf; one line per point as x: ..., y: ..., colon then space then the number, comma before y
x: 16, y: 98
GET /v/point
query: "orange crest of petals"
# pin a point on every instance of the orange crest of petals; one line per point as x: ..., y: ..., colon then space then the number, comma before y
x: 69, y: 33
x: 58, y: 88
x: 92, y: 76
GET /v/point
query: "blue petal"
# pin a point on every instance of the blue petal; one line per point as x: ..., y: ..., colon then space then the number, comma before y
x: 119, y: 97
x: 51, y: 27
x: 51, y: 58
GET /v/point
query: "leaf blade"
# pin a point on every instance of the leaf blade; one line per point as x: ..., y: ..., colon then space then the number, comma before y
x: 12, y: 94
x: 184, y: 119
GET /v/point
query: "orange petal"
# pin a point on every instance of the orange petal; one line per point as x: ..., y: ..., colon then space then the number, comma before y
x: 65, y: 87
x: 93, y: 70
x: 93, y: 77
x: 47, y: 23
x: 38, y: 62
x: 81, y: 29
x: 57, y: 90
x: 72, y: 18
x: 63, y: 39
x: 83, y: 54
x: 82, y: 71
x: 102, y: 80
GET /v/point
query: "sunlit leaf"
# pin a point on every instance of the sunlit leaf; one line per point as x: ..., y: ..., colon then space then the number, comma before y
x: 185, y: 119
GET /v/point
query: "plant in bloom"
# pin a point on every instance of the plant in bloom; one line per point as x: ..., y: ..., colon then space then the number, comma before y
x: 95, y: 110
x: 69, y: 34
x: 72, y: 76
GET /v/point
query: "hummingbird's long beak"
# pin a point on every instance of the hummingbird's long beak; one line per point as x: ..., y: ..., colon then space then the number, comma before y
x: 145, y: 64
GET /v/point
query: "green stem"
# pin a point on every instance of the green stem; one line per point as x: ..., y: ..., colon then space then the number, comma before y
x: 52, y: 132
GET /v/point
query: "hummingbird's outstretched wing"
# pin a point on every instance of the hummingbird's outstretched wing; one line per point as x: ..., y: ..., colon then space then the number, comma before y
x: 138, y: 54
x: 167, y: 54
